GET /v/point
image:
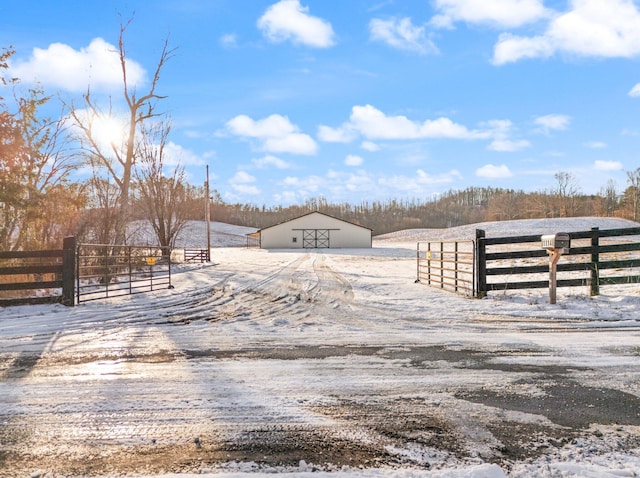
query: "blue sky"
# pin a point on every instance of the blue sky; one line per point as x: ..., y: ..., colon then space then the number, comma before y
x: 361, y: 100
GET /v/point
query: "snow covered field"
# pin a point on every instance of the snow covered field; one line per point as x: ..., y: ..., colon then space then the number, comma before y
x: 326, y: 363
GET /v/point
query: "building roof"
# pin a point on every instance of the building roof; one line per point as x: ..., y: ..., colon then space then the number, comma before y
x: 315, y: 212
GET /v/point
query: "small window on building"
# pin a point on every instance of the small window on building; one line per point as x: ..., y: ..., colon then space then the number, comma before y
x: 294, y: 239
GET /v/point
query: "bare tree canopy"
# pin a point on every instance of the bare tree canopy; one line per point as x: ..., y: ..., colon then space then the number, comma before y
x: 163, y: 198
x: 117, y: 159
x: 632, y: 193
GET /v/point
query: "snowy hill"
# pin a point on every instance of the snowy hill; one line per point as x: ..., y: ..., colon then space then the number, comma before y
x: 194, y: 234
x: 508, y: 228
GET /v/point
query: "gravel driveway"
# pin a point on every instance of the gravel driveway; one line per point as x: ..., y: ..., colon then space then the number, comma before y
x: 290, y: 361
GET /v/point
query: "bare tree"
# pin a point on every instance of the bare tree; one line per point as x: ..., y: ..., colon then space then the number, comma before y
x: 98, y: 223
x: 632, y: 193
x: 164, y: 199
x: 566, y: 193
x: 609, y: 199
x: 118, y: 159
x: 506, y: 206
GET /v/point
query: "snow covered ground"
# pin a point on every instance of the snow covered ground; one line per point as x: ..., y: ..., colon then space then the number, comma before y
x: 326, y: 363
x: 194, y: 234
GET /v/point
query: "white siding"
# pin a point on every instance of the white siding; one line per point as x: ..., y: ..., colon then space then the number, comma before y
x: 315, y: 230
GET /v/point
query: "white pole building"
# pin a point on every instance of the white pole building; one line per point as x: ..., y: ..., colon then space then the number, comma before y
x: 315, y: 231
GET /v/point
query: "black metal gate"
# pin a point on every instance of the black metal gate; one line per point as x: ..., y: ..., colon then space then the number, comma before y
x: 104, y: 271
x: 315, y: 238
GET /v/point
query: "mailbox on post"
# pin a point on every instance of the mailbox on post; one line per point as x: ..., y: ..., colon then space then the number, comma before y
x: 556, y: 245
x: 558, y: 241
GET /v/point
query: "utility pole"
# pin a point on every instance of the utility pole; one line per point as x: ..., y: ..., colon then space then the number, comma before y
x: 207, y: 214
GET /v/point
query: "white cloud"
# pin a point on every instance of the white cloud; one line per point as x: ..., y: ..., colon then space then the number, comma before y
x: 401, y: 34
x: 370, y: 146
x: 242, y: 182
x: 286, y: 197
x: 63, y: 67
x: 269, y: 161
x: 374, y: 124
x: 555, y: 154
x: 246, y: 189
x: 508, y: 145
x: 499, y: 13
x: 288, y: 20
x: 341, y: 184
x: 294, y: 143
x: 276, y: 133
x: 425, y: 178
x: 512, y: 48
x: 500, y: 131
x: 598, y: 28
x: 635, y: 91
x: 607, y: 165
x: 494, y: 172
x: 229, y: 40
x: 419, y: 181
x: 242, y: 177
x: 499, y: 128
x: 337, y: 183
x: 208, y: 154
x: 353, y: 160
x: 271, y: 126
x: 176, y: 154
x: 336, y: 135
x: 304, y: 186
x: 548, y: 123
x: 595, y: 145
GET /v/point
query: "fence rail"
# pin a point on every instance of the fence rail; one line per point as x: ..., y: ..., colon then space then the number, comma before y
x: 197, y: 255
x: 44, y: 276
x: 447, y: 265
x: 588, y: 263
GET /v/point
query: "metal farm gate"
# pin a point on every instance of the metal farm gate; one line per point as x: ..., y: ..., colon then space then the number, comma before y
x: 104, y: 271
x: 447, y: 265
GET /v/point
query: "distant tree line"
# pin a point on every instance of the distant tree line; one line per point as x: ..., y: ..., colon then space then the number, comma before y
x: 453, y: 208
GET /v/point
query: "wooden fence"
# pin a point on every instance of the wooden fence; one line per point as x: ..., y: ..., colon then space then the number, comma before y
x: 197, y: 255
x: 447, y: 265
x: 42, y: 276
x: 590, y: 261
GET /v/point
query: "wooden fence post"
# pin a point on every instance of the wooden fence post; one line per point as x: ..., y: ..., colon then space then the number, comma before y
x: 429, y: 263
x: 68, y: 271
x: 595, y: 261
x: 455, y: 261
x: 554, y: 257
x: 481, y: 264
